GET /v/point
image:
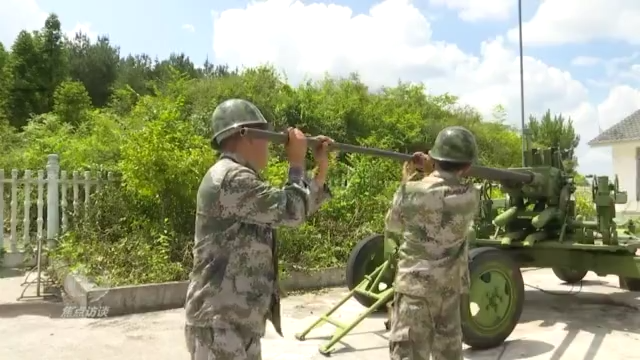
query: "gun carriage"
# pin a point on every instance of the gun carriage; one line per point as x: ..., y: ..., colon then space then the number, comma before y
x: 534, y: 225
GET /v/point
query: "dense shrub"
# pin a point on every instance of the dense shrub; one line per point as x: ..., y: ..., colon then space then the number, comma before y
x: 148, y: 122
x: 140, y: 227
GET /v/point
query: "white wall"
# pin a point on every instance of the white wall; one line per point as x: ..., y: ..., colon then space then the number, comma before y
x: 624, y: 165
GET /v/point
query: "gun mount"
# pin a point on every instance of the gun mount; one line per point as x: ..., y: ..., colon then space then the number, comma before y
x: 534, y: 224
x: 544, y: 206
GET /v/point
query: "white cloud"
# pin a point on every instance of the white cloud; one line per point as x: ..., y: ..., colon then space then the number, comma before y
x: 574, y: 21
x: 585, y: 61
x: 621, y: 102
x: 476, y: 10
x: 617, y: 71
x: 394, y: 41
x: 189, y: 28
x: 18, y: 15
x: 84, y: 28
x: 623, y: 69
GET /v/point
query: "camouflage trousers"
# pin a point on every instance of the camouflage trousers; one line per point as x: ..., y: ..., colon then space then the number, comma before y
x: 421, y: 328
x: 222, y: 344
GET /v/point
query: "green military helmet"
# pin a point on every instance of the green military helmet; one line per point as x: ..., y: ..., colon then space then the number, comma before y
x: 230, y: 116
x: 455, y: 144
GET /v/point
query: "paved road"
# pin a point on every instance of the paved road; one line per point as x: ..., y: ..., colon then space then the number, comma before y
x: 595, y: 322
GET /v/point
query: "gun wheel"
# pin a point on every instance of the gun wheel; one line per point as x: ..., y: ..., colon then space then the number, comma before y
x: 631, y: 284
x: 496, y: 298
x: 365, y: 257
x: 569, y: 276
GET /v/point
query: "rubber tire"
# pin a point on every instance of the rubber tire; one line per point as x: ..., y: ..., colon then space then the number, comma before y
x: 631, y: 284
x: 355, y: 275
x: 569, y: 276
x: 477, y: 257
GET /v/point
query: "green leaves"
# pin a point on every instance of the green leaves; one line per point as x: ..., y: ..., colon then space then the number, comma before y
x: 149, y: 121
x: 556, y: 131
x: 72, y: 103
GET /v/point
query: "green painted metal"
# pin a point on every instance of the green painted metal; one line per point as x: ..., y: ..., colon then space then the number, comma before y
x: 495, y: 300
x: 568, y: 275
x: 490, y: 290
x: 535, y: 225
x: 368, y: 287
x: 602, y: 260
x: 365, y: 258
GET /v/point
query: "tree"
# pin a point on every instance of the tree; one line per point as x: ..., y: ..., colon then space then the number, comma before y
x: 179, y: 62
x: 4, y: 82
x: 54, y: 63
x: 150, y: 123
x: 499, y: 114
x: 72, y: 103
x: 24, y: 83
x: 556, y: 131
x: 135, y: 71
x: 95, y: 65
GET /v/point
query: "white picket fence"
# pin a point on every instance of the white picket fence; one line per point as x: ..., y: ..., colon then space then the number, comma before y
x: 54, y: 188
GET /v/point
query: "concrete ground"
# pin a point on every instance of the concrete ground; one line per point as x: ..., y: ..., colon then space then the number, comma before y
x: 595, y: 321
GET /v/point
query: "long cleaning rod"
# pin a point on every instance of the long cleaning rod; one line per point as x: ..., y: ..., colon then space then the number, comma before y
x: 482, y: 172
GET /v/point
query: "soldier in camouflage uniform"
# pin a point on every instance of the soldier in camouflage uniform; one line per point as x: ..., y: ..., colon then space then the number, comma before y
x: 433, y: 214
x: 233, y: 287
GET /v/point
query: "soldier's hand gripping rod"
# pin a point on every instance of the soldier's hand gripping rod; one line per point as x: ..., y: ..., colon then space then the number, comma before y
x: 481, y: 172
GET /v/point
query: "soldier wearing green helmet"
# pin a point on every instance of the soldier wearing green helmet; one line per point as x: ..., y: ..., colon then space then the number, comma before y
x: 432, y: 214
x: 233, y: 286
x: 456, y: 145
x: 231, y: 116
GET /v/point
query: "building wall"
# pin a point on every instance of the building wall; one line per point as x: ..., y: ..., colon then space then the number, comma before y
x: 625, y: 165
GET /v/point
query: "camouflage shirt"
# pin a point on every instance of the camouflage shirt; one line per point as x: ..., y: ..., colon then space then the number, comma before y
x: 433, y: 215
x: 233, y: 277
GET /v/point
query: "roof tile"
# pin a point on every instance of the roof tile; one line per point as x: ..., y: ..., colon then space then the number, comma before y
x: 627, y: 129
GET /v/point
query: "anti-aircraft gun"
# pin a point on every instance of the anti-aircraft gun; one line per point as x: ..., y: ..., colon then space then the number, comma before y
x: 540, y: 205
x: 534, y: 225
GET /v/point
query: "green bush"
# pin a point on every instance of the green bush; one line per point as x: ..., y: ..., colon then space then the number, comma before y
x: 148, y: 122
x: 140, y: 228
x: 584, y: 205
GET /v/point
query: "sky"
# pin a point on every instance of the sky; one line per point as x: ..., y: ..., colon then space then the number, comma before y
x: 581, y: 58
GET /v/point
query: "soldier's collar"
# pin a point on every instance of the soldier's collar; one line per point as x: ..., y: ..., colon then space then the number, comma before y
x: 237, y: 159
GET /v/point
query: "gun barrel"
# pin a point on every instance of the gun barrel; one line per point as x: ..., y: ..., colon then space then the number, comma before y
x: 493, y: 174
x: 482, y: 172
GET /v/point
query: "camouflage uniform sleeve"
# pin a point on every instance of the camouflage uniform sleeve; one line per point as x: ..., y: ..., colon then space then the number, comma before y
x: 466, y: 277
x: 253, y: 200
x: 319, y: 195
x: 393, y: 220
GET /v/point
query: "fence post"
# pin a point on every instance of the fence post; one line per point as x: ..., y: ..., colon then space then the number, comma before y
x: 53, y: 200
